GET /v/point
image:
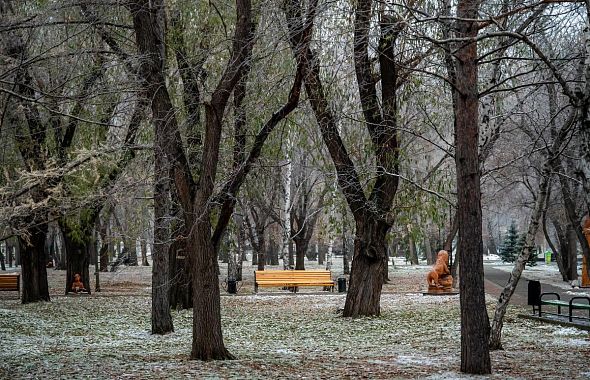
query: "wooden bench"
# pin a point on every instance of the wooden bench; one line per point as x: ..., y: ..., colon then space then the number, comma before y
x: 292, y: 279
x: 571, y: 305
x: 10, y: 282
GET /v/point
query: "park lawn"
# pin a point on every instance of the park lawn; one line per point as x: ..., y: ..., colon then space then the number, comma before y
x: 273, y: 336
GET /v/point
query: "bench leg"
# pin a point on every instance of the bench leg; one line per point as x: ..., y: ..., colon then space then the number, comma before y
x: 570, y: 310
x: 255, y: 288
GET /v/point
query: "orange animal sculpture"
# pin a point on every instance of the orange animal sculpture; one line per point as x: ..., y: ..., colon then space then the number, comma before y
x: 78, y: 285
x: 439, y: 278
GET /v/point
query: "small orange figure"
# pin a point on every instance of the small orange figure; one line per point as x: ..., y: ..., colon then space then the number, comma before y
x: 78, y: 286
x: 440, y: 275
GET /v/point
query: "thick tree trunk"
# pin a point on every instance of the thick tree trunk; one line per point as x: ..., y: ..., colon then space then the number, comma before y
x: 207, y: 335
x: 131, y: 243
x: 566, y: 250
x: 34, y: 272
x: 475, y: 356
x: 77, y: 258
x: 161, y: 318
x: 366, y: 277
x: 272, y: 253
x: 301, y: 245
x: 181, y: 288
x: 149, y: 35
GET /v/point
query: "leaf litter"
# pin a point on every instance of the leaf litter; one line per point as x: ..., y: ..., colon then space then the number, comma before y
x: 273, y: 335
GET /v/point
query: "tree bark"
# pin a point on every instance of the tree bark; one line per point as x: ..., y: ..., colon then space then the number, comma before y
x: 144, y: 260
x: 366, y: 277
x: 77, y: 254
x: 34, y: 272
x: 207, y: 335
x: 475, y: 356
x: 181, y: 287
x: 565, y: 249
x: 149, y: 34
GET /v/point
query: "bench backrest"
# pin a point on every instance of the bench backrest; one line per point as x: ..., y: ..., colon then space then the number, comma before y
x: 321, y: 276
x: 9, y: 281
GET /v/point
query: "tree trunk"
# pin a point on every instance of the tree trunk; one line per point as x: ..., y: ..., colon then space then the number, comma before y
x: 554, y: 251
x: 428, y: 249
x: 493, y: 248
x: 34, y: 272
x: 144, y: 260
x: 301, y: 245
x: 161, y: 318
x: 17, y: 252
x: 181, y: 288
x: 412, y: 254
x: 260, y: 248
x: 232, y: 264
x: 565, y: 250
x: 77, y: 256
x: 9, y: 254
x: 345, y: 258
x: 132, y: 244
x: 495, y: 339
x: 207, y: 335
x: 366, y: 277
x: 287, y: 214
x: 475, y: 356
x: 572, y: 252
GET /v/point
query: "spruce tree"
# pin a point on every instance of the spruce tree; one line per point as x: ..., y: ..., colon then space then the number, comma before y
x: 532, y: 261
x: 510, y: 247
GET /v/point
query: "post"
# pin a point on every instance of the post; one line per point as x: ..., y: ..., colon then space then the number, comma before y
x: 96, y: 269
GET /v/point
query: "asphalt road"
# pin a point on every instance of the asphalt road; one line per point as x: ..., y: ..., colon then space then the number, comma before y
x: 496, y: 279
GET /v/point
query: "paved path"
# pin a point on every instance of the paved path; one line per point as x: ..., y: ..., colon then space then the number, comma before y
x: 496, y: 279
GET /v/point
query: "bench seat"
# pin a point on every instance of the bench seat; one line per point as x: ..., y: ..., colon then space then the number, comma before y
x: 570, y: 305
x: 10, y: 282
x: 292, y: 279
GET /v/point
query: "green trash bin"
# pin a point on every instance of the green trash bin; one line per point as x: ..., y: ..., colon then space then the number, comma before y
x: 548, y: 257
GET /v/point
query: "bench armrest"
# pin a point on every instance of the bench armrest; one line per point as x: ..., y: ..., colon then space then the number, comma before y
x: 579, y: 298
x: 549, y: 294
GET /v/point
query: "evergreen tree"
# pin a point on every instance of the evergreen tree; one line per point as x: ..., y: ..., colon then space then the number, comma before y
x: 510, y: 247
x: 532, y: 261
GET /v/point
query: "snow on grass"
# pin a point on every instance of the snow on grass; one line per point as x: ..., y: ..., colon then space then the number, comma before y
x: 277, y: 335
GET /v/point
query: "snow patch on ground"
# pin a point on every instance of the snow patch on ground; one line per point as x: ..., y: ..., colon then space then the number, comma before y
x: 567, y: 331
x: 415, y: 360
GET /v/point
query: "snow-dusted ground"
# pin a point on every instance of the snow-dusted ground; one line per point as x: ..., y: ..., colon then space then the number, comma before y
x: 274, y: 335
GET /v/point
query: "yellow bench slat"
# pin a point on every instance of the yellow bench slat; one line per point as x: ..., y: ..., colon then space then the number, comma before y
x: 293, y: 278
